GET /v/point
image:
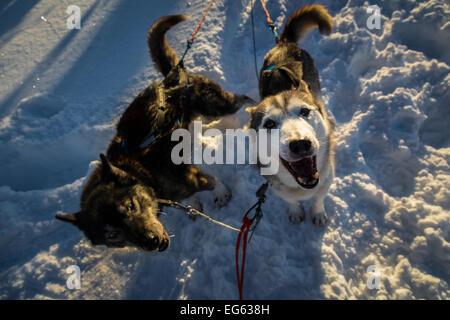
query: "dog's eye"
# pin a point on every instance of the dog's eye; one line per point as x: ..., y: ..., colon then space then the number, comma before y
x: 269, y: 124
x: 304, y: 112
x: 131, y: 207
x: 127, y: 209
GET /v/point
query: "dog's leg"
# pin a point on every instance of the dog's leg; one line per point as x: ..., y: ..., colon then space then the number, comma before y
x: 296, y: 213
x: 318, y: 214
x: 201, y: 181
x: 222, y: 194
x: 210, y: 100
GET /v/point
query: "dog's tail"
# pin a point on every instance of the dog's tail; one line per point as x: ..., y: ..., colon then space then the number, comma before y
x: 304, y: 19
x: 162, y: 54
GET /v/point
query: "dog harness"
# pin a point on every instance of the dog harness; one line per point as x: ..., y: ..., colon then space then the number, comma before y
x: 165, y: 122
x: 283, y: 67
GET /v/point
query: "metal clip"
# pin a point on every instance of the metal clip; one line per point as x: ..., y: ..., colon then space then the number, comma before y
x: 261, y: 194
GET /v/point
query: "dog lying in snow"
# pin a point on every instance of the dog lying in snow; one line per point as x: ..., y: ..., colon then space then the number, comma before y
x: 119, y: 201
x: 289, y: 84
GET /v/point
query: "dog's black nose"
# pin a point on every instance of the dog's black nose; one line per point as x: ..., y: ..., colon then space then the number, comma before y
x: 164, y: 245
x: 300, y: 146
x: 151, y: 242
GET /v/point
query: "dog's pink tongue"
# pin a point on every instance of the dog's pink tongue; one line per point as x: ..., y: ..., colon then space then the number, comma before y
x: 304, y: 167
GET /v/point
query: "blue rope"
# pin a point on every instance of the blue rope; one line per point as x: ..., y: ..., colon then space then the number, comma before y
x: 188, y: 46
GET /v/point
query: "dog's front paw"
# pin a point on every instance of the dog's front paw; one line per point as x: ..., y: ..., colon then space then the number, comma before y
x: 319, y: 219
x: 222, y: 195
x: 296, y: 214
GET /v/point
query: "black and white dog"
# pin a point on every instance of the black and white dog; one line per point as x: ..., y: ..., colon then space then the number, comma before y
x: 290, y: 88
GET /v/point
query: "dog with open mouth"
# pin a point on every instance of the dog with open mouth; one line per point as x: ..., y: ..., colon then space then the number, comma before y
x: 290, y: 88
x: 305, y: 150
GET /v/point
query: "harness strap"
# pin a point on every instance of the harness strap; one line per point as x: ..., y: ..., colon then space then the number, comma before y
x: 161, y: 111
x: 291, y: 75
x: 284, y: 67
x: 161, y: 121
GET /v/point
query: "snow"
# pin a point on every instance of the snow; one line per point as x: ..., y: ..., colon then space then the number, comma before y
x: 63, y: 90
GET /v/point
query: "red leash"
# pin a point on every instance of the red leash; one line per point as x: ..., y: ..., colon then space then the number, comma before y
x: 191, y: 40
x: 201, y: 21
x: 272, y: 26
x: 269, y: 21
x: 245, y: 228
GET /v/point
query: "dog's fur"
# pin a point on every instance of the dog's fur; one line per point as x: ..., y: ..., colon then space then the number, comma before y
x: 292, y: 64
x: 291, y: 103
x: 202, y: 96
x: 119, y: 201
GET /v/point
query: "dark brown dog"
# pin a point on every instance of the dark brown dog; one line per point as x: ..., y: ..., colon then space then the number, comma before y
x: 119, y: 204
x: 286, y: 64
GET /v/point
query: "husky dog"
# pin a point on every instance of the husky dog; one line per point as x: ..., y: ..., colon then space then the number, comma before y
x: 305, y: 150
x: 119, y: 203
x: 286, y: 64
x: 290, y: 88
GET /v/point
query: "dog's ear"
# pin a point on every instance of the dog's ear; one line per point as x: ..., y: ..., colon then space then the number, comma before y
x: 255, y: 117
x: 251, y: 110
x: 107, y: 169
x: 244, y: 100
x: 303, y: 86
x: 110, y: 173
x: 72, y: 218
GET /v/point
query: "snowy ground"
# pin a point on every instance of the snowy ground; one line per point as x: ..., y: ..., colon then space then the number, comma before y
x: 62, y: 91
